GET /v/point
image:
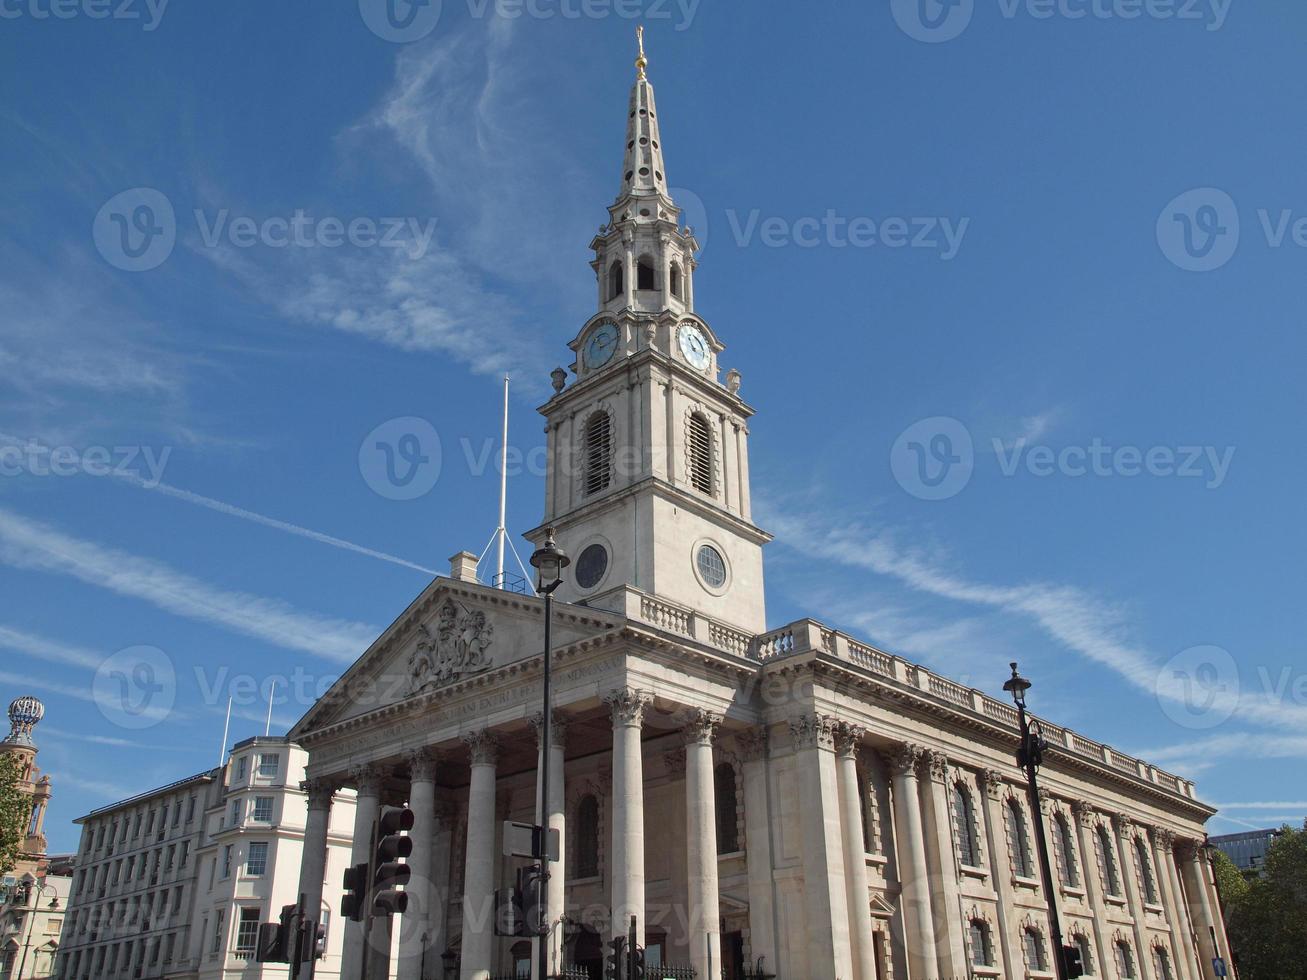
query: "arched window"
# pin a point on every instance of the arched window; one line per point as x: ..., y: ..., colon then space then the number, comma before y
x: 1032, y: 942
x: 616, y: 280
x: 644, y: 274
x: 1125, y: 960
x: 728, y: 835
x: 1146, y: 872
x: 587, y: 838
x: 1162, y: 964
x: 1081, y: 942
x: 1064, y: 846
x: 676, y: 279
x: 1018, y: 840
x: 982, y: 952
x: 598, y: 452
x: 964, y: 818
x: 1107, y: 861
x: 700, y: 445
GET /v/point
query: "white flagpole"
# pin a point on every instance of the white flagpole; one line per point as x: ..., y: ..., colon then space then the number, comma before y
x: 226, y: 728
x: 267, y: 728
x: 503, y: 494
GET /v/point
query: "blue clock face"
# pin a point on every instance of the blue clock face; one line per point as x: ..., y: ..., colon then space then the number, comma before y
x: 601, y: 346
x: 693, y: 345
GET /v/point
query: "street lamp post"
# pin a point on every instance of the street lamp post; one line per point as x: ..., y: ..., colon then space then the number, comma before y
x: 1029, y: 757
x: 549, y: 563
x: 29, y: 882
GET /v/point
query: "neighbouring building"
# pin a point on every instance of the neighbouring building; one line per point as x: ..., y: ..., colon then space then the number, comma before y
x: 173, y: 883
x: 1247, y: 850
x: 791, y: 797
x: 31, y: 922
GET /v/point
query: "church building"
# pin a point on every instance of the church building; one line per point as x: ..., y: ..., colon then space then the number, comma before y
x: 766, y: 802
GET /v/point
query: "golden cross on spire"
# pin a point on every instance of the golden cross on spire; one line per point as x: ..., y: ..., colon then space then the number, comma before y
x: 641, y: 62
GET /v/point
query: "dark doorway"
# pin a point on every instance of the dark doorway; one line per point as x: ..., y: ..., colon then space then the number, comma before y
x: 732, y: 956
x: 588, y: 953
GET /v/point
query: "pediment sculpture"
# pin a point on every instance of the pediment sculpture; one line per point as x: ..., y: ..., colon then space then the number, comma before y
x: 454, y: 648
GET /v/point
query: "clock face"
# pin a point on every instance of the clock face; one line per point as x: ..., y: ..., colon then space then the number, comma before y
x: 693, y: 345
x: 601, y: 346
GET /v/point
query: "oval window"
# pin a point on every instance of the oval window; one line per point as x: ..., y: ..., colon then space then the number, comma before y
x: 711, y: 565
x: 590, y: 567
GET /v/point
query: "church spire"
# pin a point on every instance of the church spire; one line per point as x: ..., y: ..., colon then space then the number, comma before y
x: 643, y: 173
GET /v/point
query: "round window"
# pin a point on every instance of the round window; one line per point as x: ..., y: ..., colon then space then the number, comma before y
x: 711, y: 566
x: 590, y: 567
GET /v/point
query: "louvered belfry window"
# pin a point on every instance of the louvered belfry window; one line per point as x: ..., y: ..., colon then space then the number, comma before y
x: 700, y: 442
x: 598, y: 452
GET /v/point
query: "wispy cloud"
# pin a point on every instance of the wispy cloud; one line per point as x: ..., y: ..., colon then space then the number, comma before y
x: 45, y: 649
x: 1081, y: 622
x: 30, y: 544
x: 1031, y: 428
x: 1296, y: 805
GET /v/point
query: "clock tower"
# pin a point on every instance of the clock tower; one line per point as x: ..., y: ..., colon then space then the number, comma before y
x: 648, y: 479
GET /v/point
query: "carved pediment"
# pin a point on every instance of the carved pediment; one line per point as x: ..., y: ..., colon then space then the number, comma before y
x: 456, y: 645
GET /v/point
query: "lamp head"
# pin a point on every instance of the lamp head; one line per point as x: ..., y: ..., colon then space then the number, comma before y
x: 549, y: 563
x: 1017, y: 686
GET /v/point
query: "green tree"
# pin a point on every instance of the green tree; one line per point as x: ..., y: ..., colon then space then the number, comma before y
x: 15, y: 810
x: 1267, y: 919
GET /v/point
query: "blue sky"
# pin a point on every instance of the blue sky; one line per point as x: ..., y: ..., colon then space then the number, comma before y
x: 1010, y: 285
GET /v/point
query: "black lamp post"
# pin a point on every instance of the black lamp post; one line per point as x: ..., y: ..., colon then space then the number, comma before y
x: 1030, y: 757
x: 549, y: 562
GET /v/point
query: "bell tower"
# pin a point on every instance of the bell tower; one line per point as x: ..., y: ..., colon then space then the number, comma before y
x: 648, y: 479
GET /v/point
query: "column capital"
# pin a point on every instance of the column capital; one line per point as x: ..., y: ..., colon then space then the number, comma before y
x: 482, y: 746
x: 557, y: 727
x: 319, y: 791
x: 627, y: 706
x: 992, y: 782
x: 367, y: 778
x: 1161, y: 837
x: 700, y: 726
x: 1122, y: 824
x: 935, y: 765
x: 1083, y: 809
x: 422, y: 764
x: 904, y: 759
x: 1187, y: 848
x: 813, y: 731
x: 848, y: 739
x: 753, y: 743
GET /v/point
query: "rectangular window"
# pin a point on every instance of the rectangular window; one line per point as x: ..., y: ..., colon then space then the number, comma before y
x: 218, y: 929
x: 247, y: 932
x: 177, y: 900
x: 226, y: 861
x: 190, y: 810
x: 235, y: 813
x: 241, y: 764
x: 269, y: 763
x: 262, y: 809
x: 256, y: 863
x: 177, y: 814
x: 167, y: 860
x: 168, y: 945
x: 185, y: 853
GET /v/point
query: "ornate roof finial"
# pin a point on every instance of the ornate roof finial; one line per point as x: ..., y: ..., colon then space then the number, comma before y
x: 24, y: 713
x: 641, y: 63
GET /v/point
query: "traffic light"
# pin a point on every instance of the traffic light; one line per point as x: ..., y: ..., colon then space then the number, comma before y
x: 391, y: 872
x: 1075, y: 966
x: 276, y: 939
x: 636, y: 971
x: 356, y: 890
x: 615, y: 963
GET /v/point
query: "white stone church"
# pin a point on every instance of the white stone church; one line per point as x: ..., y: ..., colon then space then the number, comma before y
x: 788, y: 802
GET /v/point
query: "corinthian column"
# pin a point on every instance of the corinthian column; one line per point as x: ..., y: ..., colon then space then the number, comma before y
x: 847, y: 739
x: 991, y: 785
x: 313, y: 866
x: 555, y: 818
x: 918, y: 923
x: 945, y: 895
x: 627, y: 708
x: 757, y: 852
x: 367, y: 783
x: 479, y: 871
x: 1202, y: 903
x: 701, y: 845
x: 1162, y: 841
x: 1084, y: 814
x: 415, y: 925
x: 829, y: 956
x: 1130, y: 859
